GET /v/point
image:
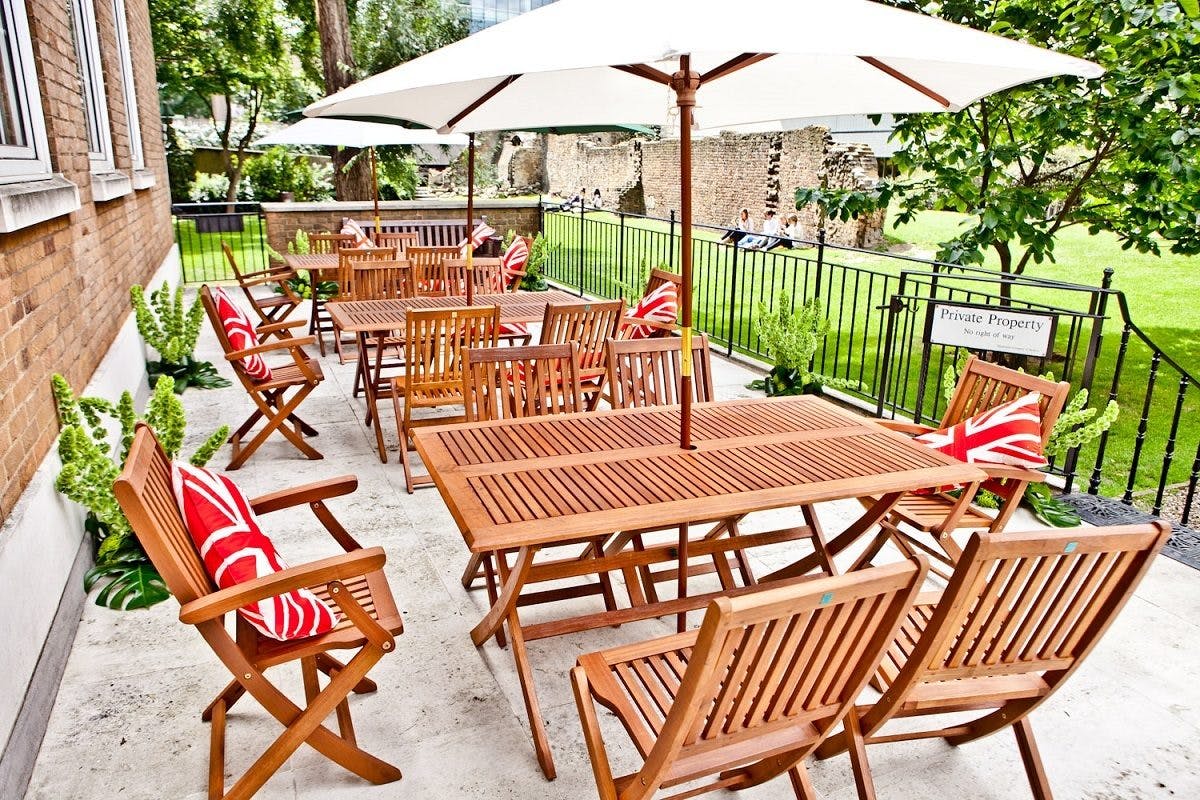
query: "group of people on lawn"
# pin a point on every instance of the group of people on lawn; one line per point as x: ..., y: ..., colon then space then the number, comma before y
x: 772, y: 234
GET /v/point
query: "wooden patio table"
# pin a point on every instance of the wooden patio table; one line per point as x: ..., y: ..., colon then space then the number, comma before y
x: 368, y: 319
x: 514, y: 486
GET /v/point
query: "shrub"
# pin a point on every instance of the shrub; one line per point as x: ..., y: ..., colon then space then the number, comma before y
x: 172, y: 332
x: 278, y: 170
x: 791, y: 339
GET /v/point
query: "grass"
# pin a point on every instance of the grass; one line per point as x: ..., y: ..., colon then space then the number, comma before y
x: 1156, y: 289
x: 201, y: 252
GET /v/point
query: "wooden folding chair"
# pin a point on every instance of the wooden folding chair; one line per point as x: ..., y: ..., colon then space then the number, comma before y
x: 429, y: 272
x: 981, y: 386
x: 749, y: 695
x: 1020, y: 614
x: 657, y: 278
x: 270, y: 397
x: 319, y: 322
x: 646, y: 372
x: 381, y: 280
x: 271, y: 308
x: 487, y: 275
x: 590, y: 325
x: 353, y: 581
x: 348, y: 259
x: 433, y: 367
x: 398, y: 240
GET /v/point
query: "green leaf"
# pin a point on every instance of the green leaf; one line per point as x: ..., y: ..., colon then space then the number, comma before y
x: 1048, y: 508
x: 126, y: 585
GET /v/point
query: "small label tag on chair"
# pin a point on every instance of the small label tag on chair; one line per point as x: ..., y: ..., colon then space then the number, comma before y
x: 1070, y: 548
x: 827, y: 598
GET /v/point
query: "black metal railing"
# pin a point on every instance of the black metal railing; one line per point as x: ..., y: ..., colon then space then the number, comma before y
x: 877, y: 305
x: 201, y: 228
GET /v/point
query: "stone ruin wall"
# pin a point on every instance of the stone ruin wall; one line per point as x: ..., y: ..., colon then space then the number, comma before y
x: 730, y: 172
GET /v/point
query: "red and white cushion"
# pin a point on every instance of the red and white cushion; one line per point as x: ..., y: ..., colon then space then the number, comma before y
x: 235, y: 550
x: 1010, y: 433
x: 481, y: 234
x: 660, y: 305
x: 241, y: 335
x: 513, y: 329
x: 514, y: 259
x: 352, y: 228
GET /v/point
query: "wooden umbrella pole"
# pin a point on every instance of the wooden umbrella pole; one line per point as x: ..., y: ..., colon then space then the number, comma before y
x: 470, y: 219
x: 685, y: 82
x: 375, y: 194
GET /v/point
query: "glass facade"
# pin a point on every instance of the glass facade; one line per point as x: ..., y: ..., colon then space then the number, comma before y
x: 484, y: 13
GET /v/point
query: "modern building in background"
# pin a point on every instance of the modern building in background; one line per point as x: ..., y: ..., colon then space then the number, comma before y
x: 484, y: 13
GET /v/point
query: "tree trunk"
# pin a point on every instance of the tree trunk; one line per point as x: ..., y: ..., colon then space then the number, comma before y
x: 1005, y: 254
x: 337, y: 62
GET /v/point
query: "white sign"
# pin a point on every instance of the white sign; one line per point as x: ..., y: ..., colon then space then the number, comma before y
x: 989, y: 328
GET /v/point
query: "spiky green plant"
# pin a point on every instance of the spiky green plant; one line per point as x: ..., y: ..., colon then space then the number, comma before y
x: 791, y: 339
x: 172, y: 331
x: 89, y: 469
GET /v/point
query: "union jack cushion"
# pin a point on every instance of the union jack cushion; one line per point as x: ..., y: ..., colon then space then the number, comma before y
x: 514, y: 329
x: 241, y: 335
x: 660, y: 305
x: 514, y: 259
x: 1010, y: 433
x: 478, y: 236
x: 235, y: 550
x: 352, y: 228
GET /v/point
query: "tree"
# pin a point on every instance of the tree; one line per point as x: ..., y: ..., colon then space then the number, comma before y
x: 351, y: 174
x: 390, y: 32
x: 230, y: 59
x: 1118, y: 153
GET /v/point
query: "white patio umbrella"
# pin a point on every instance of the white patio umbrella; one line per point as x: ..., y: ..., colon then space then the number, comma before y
x: 361, y: 135
x: 581, y: 62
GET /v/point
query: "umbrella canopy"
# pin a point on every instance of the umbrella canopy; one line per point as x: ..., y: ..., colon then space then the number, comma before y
x: 579, y: 62
x: 353, y: 133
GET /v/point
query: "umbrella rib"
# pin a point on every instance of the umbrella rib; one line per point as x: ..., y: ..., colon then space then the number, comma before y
x: 906, y: 80
x: 644, y: 71
x: 488, y: 95
x: 733, y: 65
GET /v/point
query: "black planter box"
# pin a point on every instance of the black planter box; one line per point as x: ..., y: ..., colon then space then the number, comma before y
x: 219, y: 223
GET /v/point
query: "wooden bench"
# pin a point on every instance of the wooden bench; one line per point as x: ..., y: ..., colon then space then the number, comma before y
x: 432, y: 232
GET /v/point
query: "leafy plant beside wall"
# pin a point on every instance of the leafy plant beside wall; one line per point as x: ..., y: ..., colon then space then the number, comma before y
x: 1076, y: 425
x: 172, y: 332
x: 126, y: 578
x: 791, y: 339
x: 539, y: 251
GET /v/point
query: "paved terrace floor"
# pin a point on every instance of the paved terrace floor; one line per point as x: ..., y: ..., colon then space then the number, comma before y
x: 127, y: 719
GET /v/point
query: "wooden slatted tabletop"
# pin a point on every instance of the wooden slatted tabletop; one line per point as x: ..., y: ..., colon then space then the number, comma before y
x: 317, y: 261
x: 374, y: 316
x: 535, y: 481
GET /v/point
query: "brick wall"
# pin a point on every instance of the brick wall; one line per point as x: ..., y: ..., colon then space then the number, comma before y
x: 284, y: 219
x: 64, y: 284
x: 729, y: 172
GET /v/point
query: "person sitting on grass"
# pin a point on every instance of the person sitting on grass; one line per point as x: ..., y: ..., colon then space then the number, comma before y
x: 768, y: 236
x: 579, y: 200
x: 792, y: 233
x: 740, y: 228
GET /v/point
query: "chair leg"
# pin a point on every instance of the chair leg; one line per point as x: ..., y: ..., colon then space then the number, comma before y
x: 858, y: 756
x: 216, y: 751
x: 330, y: 666
x: 228, y: 696
x: 801, y: 784
x: 1032, y: 760
x: 597, y: 753
x: 403, y: 434
x: 314, y: 322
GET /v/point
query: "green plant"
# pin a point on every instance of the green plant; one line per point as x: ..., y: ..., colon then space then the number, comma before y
x: 277, y: 171
x: 124, y: 573
x: 539, y: 250
x: 791, y: 339
x: 172, y: 332
x: 1076, y: 426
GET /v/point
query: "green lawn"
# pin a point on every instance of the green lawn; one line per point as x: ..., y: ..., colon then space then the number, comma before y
x: 201, y: 252
x: 1157, y: 290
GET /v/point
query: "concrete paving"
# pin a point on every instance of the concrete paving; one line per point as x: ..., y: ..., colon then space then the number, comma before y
x: 127, y: 719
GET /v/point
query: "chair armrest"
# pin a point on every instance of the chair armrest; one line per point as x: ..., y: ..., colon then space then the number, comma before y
x: 282, y: 269
x: 305, y: 493
x: 334, y: 568
x: 900, y: 426
x: 1012, y: 473
x: 293, y: 343
x: 276, y: 327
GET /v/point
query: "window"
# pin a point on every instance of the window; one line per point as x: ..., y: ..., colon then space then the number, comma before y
x: 136, y: 155
x: 95, y: 103
x: 23, y: 149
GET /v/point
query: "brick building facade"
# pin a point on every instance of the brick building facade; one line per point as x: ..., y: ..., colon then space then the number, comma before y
x: 84, y: 213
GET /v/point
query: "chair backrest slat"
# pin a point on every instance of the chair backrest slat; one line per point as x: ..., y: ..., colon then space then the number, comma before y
x: 646, y: 372
x: 329, y: 243
x: 349, y: 257
x: 429, y: 269
x: 435, y: 341
x: 983, y: 385
x: 589, y: 325
x: 512, y: 382
x: 487, y: 275
x: 145, y: 495
x: 400, y: 241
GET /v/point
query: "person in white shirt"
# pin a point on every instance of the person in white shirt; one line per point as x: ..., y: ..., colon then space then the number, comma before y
x: 740, y: 228
x: 792, y: 233
x: 768, y: 236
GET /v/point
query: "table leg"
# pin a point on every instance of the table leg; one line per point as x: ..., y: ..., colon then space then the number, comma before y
x: 506, y: 603
x: 541, y: 742
x: 364, y: 374
x: 878, y: 510
x: 681, y: 619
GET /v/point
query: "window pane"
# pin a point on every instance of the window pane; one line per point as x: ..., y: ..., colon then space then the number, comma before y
x: 12, y: 129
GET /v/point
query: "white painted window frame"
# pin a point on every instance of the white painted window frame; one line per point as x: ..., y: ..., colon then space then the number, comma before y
x: 137, y: 154
x: 32, y: 160
x: 95, y: 99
